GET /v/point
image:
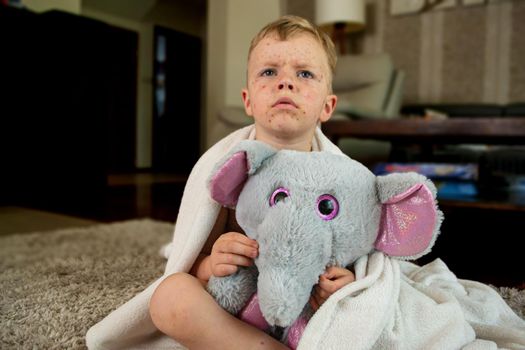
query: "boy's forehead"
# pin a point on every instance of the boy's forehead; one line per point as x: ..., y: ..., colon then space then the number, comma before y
x: 300, y: 47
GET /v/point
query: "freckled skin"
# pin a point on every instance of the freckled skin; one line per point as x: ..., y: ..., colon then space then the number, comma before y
x: 296, y: 69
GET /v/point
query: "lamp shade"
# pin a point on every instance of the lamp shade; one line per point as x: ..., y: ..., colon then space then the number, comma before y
x: 350, y: 13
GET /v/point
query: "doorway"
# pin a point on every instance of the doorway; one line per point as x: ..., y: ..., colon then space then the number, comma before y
x: 176, y: 100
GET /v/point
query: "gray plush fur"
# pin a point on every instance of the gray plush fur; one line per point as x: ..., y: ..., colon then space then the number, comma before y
x: 295, y: 244
x: 230, y: 291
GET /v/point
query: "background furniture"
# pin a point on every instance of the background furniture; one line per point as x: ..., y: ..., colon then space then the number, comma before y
x: 367, y: 87
x: 340, y: 17
x: 68, y: 87
x: 471, y: 110
x: 418, y: 130
x: 478, y: 236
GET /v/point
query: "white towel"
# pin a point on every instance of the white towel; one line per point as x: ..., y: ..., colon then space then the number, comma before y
x: 130, y: 326
x: 398, y: 305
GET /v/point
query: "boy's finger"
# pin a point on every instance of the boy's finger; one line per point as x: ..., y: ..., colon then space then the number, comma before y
x: 328, y: 286
x: 224, y: 270
x: 239, y: 237
x: 239, y: 248
x: 331, y: 286
x: 233, y: 259
x: 334, y: 272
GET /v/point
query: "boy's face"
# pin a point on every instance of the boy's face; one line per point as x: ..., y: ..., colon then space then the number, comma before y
x: 288, y: 86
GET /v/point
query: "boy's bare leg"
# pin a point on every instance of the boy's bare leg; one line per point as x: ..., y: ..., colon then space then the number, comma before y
x: 183, y: 309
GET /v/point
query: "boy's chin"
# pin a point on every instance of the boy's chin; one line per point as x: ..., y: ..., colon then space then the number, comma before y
x: 288, y: 118
x: 286, y: 129
x: 286, y: 122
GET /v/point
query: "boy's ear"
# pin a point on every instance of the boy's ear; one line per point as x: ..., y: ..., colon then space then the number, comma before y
x: 246, y: 101
x: 328, y: 108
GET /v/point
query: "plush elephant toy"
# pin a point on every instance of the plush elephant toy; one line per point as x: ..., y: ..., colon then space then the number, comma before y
x: 310, y: 210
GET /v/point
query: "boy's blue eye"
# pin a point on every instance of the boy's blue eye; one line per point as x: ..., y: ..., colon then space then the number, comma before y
x: 305, y: 74
x: 268, y: 73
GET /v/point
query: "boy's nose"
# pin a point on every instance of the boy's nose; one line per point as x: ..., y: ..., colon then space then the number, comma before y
x: 285, y: 85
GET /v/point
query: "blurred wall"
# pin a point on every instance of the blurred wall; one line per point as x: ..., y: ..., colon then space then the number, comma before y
x: 72, y: 6
x: 231, y: 26
x: 462, y: 54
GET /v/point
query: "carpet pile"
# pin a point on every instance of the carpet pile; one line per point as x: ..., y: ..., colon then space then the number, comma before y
x: 55, y: 285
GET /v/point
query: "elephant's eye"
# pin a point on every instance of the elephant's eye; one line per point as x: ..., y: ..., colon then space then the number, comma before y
x: 327, y: 207
x: 278, y: 195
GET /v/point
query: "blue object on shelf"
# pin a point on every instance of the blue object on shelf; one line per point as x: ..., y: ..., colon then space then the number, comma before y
x: 454, y: 189
x: 466, y: 171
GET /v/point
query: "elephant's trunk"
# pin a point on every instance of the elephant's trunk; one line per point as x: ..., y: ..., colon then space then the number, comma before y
x: 293, y: 251
x: 282, y: 296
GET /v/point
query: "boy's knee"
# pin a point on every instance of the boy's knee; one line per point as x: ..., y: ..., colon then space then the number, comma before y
x: 171, y: 304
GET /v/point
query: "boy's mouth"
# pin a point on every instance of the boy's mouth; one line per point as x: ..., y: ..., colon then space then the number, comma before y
x: 285, y: 102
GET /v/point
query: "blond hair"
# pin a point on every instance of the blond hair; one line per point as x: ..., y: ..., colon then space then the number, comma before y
x: 288, y: 26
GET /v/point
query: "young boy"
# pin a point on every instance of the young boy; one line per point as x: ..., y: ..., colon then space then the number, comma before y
x: 288, y: 94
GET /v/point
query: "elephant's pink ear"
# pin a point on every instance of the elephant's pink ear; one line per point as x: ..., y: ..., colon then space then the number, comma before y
x: 409, y: 222
x: 227, y: 182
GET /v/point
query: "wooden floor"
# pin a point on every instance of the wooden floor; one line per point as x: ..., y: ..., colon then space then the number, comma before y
x: 156, y: 196
x: 24, y: 220
x: 127, y: 196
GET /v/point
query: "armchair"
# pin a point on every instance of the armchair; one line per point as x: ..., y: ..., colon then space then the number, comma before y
x: 368, y: 87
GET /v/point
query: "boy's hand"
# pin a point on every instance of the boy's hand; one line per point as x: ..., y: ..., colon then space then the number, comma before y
x: 330, y: 282
x: 231, y: 250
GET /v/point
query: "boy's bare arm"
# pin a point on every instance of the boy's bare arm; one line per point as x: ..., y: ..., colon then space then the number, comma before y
x: 201, y: 268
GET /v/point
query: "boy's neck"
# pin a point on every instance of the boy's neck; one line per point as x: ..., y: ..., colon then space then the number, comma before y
x: 303, y: 144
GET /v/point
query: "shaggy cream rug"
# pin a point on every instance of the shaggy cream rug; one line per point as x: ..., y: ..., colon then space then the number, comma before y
x: 55, y: 285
